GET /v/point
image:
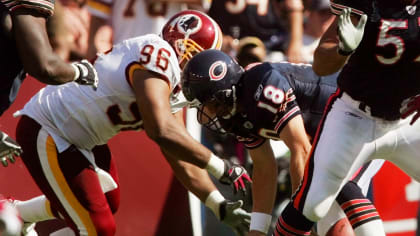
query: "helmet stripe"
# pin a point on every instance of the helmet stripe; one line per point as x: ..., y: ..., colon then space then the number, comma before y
x: 218, y: 39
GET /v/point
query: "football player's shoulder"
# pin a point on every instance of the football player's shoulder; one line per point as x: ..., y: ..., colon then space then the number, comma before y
x: 258, y: 69
x: 155, y: 54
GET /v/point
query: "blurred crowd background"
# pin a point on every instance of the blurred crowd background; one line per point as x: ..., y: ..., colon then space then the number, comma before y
x: 273, y: 30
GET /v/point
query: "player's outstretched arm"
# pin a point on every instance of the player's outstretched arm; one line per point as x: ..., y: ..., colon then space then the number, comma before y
x: 37, y: 55
x: 152, y: 95
x: 199, y: 183
x: 264, y: 187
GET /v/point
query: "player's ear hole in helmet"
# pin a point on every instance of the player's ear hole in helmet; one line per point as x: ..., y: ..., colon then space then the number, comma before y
x: 209, y: 82
x: 190, y: 32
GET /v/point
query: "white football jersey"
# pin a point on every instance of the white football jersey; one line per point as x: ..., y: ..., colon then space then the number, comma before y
x: 131, y: 18
x: 76, y: 114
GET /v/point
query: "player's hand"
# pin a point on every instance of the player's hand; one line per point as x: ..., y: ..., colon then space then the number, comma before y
x: 86, y: 74
x: 410, y: 106
x: 349, y: 35
x: 9, y: 149
x: 235, y: 174
x: 233, y: 215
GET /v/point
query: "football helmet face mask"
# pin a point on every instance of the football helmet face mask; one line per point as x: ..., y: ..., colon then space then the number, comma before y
x: 209, y: 79
x: 190, y: 32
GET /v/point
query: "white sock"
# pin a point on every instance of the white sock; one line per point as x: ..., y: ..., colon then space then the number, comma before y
x: 215, y: 166
x: 35, y: 209
x: 374, y: 227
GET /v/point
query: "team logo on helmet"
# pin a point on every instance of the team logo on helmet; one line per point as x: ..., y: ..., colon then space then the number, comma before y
x: 217, y: 70
x: 189, y: 24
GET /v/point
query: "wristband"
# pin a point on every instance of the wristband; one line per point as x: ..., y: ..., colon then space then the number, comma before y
x: 216, y: 166
x: 260, y: 222
x: 76, y: 72
x: 213, y: 202
x: 344, y: 53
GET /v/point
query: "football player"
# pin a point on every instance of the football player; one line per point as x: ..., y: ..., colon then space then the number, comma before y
x: 26, y: 49
x: 64, y: 129
x: 271, y: 101
x: 378, y: 43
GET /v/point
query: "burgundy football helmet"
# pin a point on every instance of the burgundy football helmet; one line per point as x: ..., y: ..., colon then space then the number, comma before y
x: 190, y: 32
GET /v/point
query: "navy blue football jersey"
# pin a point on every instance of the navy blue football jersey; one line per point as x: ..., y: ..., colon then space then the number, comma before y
x: 384, y: 70
x: 241, y: 18
x: 273, y: 93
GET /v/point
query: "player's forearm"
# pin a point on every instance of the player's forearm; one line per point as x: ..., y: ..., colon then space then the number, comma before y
x: 297, y: 168
x: 296, y: 27
x: 193, y: 178
x: 264, y: 186
x: 327, y: 60
x: 174, y: 139
x: 35, y: 51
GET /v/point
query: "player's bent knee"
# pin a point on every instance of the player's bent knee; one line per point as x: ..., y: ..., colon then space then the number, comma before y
x: 318, y: 210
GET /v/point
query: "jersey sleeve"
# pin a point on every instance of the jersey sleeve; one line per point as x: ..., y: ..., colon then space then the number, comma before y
x: 156, y: 55
x: 278, y: 102
x: 358, y: 7
x: 253, y: 143
x: 45, y: 7
x: 270, y: 105
x: 100, y: 8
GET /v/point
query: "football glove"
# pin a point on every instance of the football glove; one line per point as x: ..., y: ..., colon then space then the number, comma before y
x: 235, y: 174
x: 349, y: 35
x: 409, y: 106
x: 85, y: 74
x: 233, y: 215
x: 9, y: 149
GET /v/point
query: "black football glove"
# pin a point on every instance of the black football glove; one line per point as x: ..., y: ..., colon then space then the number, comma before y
x: 233, y: 215
x: 9, y: 149
x: 235, y: 174
x: 86, y: 74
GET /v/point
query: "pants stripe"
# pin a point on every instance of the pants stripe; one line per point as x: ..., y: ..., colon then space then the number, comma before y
x: 300, y: 195
x: 48, y: 156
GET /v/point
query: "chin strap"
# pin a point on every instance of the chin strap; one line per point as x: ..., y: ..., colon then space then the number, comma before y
x: 234, y: 105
